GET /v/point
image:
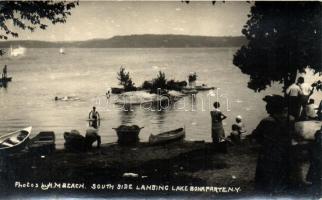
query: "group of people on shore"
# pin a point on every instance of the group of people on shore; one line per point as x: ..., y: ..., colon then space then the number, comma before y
x: 301, y: 107
x: 279, y: 164
x: 217, y: 130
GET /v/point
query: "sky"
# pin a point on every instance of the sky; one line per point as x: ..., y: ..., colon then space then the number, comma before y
x: 106, y: 19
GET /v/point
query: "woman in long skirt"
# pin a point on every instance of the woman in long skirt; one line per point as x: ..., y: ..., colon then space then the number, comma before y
x: 217, y: 131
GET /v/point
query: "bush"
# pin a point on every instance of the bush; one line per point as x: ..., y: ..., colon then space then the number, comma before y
x: 125, y: 80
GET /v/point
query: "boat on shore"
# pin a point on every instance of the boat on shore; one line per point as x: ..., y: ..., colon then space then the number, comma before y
x: 15, y: 141
x: 167, y: 137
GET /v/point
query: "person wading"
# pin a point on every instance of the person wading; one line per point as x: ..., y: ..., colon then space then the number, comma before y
x: 4, y: 72
x: 94, y: 118
x: 92, y: 133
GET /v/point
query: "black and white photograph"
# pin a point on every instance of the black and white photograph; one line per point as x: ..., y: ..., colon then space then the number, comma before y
x: 160, y: 99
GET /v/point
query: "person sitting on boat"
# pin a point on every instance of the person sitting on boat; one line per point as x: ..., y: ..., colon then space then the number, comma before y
x: 94, y: 118
x: 4, y: 72
x: 241, y: 127
x: 217, y: 133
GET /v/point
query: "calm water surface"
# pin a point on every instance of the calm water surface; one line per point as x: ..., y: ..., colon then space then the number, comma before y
x: 42, y: 74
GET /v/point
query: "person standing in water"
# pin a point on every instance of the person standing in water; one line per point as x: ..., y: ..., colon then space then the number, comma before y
x: 94, y: 118
x: 217, y: 131
x: 4, y: 72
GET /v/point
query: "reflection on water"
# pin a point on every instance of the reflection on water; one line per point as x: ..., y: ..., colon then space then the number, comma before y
x: 127, y: 113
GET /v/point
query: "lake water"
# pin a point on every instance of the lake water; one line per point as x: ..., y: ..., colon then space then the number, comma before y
x: 42, y: 74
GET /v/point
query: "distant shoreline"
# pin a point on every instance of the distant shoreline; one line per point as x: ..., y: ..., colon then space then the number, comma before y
x: 136, y: 41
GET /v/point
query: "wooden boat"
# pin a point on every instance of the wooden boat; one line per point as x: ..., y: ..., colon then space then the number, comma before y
x: 43, y: 143
x: 15, y: 141
x: 6, y: 79
x: 128, y: 135
x: 204, y: 87
x: 167, y: 137
x: 189, y: 91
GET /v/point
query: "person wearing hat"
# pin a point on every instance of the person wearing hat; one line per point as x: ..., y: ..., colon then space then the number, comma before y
x: 241, y: 127
x: 273, y: 133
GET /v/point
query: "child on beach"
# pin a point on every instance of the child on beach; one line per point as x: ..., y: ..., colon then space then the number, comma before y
x: 235, y: 134
x: 241, y: 127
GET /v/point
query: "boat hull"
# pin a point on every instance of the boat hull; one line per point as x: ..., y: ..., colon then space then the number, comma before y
x: 167, y: 137
x: 6, y: 79
x: 14, y: 142
x: 204, y: 88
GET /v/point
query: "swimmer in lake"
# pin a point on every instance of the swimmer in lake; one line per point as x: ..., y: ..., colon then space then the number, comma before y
x: 66, y: 98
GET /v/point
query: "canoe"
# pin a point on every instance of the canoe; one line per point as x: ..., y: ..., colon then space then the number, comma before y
x: 167, y: 137
x: 15, y: 141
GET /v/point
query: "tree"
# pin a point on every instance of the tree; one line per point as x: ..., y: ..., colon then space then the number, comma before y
x: 125, y: 80
x: 31, y: 15
x: 160, y: 82
x: 284, y: 38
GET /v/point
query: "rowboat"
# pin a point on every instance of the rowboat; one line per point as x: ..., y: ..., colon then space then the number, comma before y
x: 189, y: 91
x: 5, y: 79
x: 15, y: 141
x: 167, y: 137
x: 203, y: 87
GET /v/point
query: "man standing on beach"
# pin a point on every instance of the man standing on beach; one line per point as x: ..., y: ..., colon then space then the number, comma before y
x: 294, y: 94
x: 307, y: 91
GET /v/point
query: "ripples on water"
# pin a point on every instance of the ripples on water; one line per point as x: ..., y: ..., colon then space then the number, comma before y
x: 42, y: 74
